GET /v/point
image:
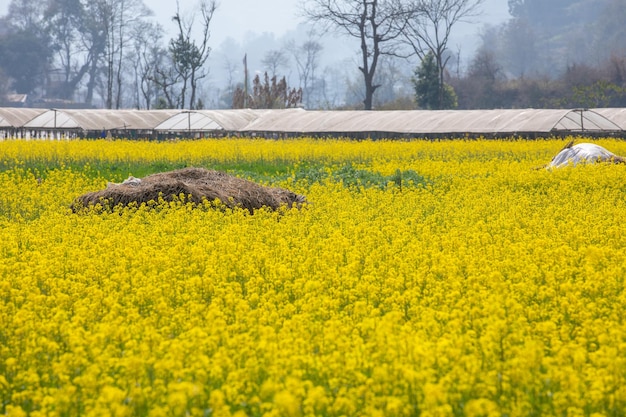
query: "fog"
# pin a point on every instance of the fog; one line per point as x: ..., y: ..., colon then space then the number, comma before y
x: 242, y: 20
x: 253, y: 28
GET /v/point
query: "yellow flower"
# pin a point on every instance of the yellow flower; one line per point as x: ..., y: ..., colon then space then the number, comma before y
x: 487, y: 288
x: 287, y: 404
x: 482, y: 407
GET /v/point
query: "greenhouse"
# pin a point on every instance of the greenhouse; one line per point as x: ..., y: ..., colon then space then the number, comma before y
x: 615, y: 114
x: 435, y: 123
x: 13, y: 119
x: 198, y: 123
x: 164, y: 124
x: 96, y: 123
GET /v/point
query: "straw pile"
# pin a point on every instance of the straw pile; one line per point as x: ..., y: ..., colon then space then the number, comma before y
x: 196, y: 185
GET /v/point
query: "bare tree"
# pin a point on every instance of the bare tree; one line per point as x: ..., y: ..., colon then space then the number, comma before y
x: 147, y: 55
x: 118, y: 17
x: 131, y: 14
x: 377, y: 24
x: 166, y: 78
x: 274, y: 60
x: 395, y: 90
x: 306, y: 56
x: 332, y: 85
x: 188, y: 56
x: 88, y: 40
x: 430, y: 27
x: 230, y: 68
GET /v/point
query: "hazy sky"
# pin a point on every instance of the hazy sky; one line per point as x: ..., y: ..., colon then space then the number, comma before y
x: 239, y: 18
x: 236, y: 18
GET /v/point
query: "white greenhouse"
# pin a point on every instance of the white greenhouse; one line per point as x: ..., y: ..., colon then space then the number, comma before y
x: 162, y: 124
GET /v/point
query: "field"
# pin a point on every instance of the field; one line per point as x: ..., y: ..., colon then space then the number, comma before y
x: 446, y: 278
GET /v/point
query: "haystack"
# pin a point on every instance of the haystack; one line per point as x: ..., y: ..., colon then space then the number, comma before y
x: 194, y: 184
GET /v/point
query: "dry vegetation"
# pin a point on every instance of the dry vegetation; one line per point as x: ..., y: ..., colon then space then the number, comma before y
x: 197, y: 185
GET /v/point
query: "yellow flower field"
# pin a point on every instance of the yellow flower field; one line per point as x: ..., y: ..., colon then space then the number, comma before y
x: 491, y: 288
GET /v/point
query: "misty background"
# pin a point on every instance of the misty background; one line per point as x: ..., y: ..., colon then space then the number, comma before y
x: 512, y: 53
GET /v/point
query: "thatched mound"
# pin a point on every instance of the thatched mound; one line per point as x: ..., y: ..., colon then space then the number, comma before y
x: 196, y: 185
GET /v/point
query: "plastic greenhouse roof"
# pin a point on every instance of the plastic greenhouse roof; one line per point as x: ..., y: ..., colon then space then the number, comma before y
x: 434, y: 121
x: 300, y: 121
x: 14, y: 117
x: 209, y: 120
x: 615, y: 114
x: 100, y: 119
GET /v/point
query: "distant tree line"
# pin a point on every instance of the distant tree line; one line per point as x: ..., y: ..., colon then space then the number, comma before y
x: 105, y: 48
x: 108, y: 47
x: 108, y: 53
x: 550, y: 54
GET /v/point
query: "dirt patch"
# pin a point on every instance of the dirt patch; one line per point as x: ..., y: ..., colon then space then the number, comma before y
x: 194, y: 184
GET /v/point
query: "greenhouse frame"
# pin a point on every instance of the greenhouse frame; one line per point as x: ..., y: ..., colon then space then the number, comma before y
x: 430, y: 124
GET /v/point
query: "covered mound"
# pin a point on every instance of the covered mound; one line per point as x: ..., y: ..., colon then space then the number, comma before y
x: 584, y: 153
x: 195, y: 185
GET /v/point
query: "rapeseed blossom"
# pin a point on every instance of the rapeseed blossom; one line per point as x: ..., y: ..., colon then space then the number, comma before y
x: 492, y: 288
